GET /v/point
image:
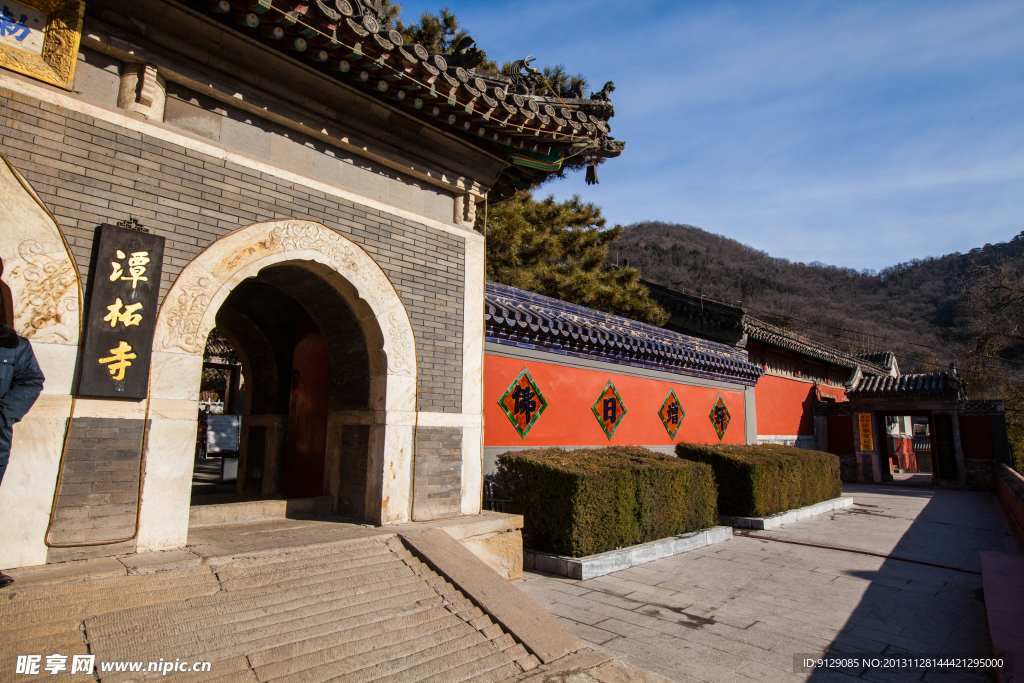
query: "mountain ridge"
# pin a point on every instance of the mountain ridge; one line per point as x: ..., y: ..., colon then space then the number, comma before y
x: 913, y: 308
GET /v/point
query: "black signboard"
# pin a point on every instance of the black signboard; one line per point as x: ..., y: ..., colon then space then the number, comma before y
x: 123, y: 295
x: 944, y: 446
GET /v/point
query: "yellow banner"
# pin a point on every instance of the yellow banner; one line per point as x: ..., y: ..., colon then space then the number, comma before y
x: 867, y: 440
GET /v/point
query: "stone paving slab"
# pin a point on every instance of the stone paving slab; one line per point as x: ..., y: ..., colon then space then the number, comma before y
x: 592, y: 566
x: 787, y: 517
x: 740, y: 610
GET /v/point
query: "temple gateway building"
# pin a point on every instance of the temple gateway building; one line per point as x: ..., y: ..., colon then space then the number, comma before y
x: 267, y: 208
x: 295, y: 177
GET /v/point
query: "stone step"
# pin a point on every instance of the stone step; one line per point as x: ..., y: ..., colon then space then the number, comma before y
x: 258, y: 596
x: 350, y: 567
x: 59, y: 642
x: 237, y: 607
x: 379, y: 664
x: 313, y: 645
x: 256, y: 565
x: 126, y: 598
x: 320, y: 664
x: 429, y: 660
x: 362, y: 610
x: 103, y: 588
x: 392, y: 570
x: 225, y: 669
x: 226, y: 633
x: 228, y: 646
x: 18, y: 635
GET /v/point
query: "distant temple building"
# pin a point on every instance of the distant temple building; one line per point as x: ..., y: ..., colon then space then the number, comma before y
x: 814, y: 396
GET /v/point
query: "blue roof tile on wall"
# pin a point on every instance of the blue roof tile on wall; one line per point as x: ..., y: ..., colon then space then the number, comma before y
x: 527, y: 320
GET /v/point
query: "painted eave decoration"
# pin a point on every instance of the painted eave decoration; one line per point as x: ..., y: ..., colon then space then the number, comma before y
x: 720, y: 417
x: 609, y: 410
x: 672, y: 414
x: 39, y: 38
x: 523, y: 403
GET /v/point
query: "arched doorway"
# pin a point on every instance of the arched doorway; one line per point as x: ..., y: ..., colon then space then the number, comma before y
x: 304, y: 418
x: 271, y: 289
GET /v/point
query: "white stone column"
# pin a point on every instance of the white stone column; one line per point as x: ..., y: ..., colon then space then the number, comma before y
x: 473, y: 378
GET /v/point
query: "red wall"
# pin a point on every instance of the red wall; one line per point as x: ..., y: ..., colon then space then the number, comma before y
x: 785, y: 406
x: 569, y: 420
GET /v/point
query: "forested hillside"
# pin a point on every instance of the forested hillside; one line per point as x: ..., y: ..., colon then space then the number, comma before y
x: 909, y: 307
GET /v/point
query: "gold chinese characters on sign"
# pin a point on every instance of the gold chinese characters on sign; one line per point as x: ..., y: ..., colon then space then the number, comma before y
x: 136, y: 267
x: 123, y: 295
x: 39, y: 38
x: 120, y: 359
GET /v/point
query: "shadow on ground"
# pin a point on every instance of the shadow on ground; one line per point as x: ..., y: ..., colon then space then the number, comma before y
x: 913, y: 610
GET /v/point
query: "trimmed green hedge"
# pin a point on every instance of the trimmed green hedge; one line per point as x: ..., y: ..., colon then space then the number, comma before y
x: 589, y: 501
x: 757, y: 481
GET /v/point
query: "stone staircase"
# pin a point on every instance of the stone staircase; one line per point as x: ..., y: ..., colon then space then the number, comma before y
x: 366, y: 610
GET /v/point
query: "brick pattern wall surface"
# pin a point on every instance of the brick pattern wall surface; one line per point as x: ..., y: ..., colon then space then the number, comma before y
x: 99, y: 485
x: 88, y: 171
x: 438, y: 491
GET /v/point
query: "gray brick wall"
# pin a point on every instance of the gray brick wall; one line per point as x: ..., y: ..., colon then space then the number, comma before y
x: 88, y: 172
x: 438, y: 492
x: 99, y: 486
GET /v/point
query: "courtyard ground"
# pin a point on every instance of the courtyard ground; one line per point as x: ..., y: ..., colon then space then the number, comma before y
x: 740, y: 610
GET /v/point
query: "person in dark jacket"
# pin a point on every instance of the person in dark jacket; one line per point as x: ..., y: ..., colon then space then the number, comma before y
x: 21, y: 380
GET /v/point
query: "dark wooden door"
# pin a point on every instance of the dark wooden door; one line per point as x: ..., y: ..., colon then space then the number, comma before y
x: 307, y: 412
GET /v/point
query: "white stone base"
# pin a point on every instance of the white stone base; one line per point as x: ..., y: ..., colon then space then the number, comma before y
x: 236, y: 513
x: 773, y: 521
x: 583, y: 568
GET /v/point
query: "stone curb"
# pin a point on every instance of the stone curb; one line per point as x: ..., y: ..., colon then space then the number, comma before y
x: 583, y: 568
x: 773, y: 521
x: 529, y: 623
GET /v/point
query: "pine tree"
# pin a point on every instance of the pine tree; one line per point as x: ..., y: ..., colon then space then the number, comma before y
x: 557, y: 249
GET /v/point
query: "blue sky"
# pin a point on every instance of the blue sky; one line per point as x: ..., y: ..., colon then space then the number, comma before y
x: 858, y: 134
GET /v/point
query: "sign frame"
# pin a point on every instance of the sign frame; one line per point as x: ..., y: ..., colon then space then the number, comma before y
x: 62, y: 35
x: 123, y: 303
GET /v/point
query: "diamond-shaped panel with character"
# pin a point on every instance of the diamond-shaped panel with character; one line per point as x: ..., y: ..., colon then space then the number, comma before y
x: 720, y: 416
x: 523, y: 403
x: 609, y: 409
x: 672, y: 414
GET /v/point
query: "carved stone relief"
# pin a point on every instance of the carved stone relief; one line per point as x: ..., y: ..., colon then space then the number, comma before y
x: 188, y: 312
x: 37, y: 267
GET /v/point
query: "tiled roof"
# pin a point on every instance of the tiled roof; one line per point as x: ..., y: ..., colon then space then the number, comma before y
x: 695, y: 307
x: 885, y: 359
x: 523, y: 319
x: 772, y: 335
x: 945, y: 383
x: 500, y: 112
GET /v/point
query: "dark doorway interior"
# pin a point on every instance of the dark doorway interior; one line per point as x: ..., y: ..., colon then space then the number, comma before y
x: 303, y: 359
x: 307, y: 411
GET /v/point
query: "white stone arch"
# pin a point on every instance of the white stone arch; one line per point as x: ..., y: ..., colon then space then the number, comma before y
x: 46, y: 291
x: 186, y: 316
